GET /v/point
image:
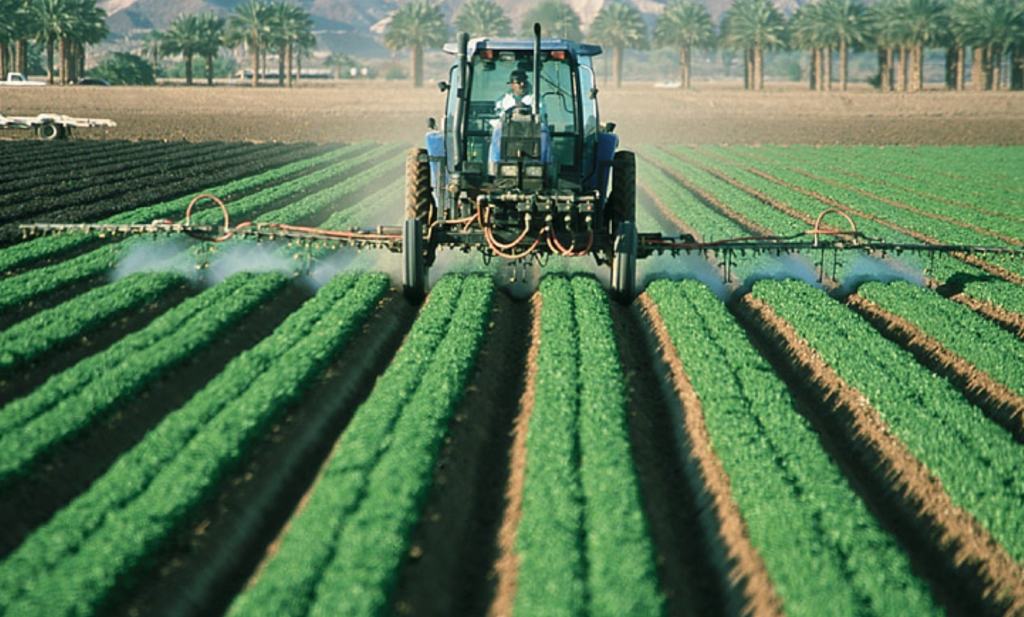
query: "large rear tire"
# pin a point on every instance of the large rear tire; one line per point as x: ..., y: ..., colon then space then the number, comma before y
x: 419, y: 197
x: 624, y: 263
x: 621, y: 204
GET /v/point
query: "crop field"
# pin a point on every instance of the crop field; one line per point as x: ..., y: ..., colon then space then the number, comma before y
x: 272, y: 429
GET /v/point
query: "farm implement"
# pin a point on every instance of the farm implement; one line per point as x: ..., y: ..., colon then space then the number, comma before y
x: 521, y: 168
x: 52, y: 126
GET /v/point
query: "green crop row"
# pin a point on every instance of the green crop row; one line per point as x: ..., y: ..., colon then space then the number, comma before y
x: 49, y: 246
x: 342, y: 553
x: 823, y: 550
x: 977, y: 461
x: 70, y: 402
x: 583, y: 543
x: 738, y: 200
x: 970, y: 336
x: 18, y: 289
x: 56, y: 327
x: 857, y: 202
x: 986, y: 207
x: 73, y: 563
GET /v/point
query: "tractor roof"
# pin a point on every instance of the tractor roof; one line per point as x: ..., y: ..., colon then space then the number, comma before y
x: 526, y: 44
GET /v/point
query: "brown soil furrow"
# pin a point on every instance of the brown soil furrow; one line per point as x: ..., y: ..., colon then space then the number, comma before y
x: 506, y: 566
x: 882, y: 182
x: 832, y: 203
x: 775, y: 203
x: 746, y: 586
x: 713, y: 202
x: 1007, y: 320
x: 999, y: 402
x: 210, y: 561
x: 869, y: 194
x: 970, y: 572
x: 62, y: 475
x: 673, y: 506
x: 454, y: 566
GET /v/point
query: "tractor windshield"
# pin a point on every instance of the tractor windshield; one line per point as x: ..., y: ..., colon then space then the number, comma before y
x: 491, y: 91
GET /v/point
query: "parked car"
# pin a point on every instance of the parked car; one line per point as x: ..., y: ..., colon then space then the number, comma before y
x: 92, y: 81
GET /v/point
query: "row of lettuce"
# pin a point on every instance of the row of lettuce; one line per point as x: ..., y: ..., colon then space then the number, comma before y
x: 970, y: 454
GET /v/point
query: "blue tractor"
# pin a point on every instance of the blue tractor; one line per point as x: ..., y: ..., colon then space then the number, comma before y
x: 521, y: 166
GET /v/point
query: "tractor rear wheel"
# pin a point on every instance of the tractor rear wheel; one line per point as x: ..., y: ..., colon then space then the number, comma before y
x: 621, y: 204
x: 419, y: 196
x: 420, y: 213
x: 414, y: 266
x: 624, y: 262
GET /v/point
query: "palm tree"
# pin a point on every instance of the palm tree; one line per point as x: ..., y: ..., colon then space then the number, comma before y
x: 9, y: 29
x: 290, y: 25
x: 90, y: 28
x: 483, y: 18
x: 153, y: 47
x: 338, y: 62
x: 685, y: 25
x: 556, y: 18
x: 993, y: 28
x: 925, y: 24
x: 619, y: 26
x: 52, y: 20
x: 249, y: 24
x: 22, y: 27
x: 415, y: 26
x: 211, y: 39
x: 848, y: 23
x: 183, y: 37
x: 753, y: 26
x: 808, y: 30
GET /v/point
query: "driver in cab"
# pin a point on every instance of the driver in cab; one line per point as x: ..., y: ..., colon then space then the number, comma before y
x: 518, y: 94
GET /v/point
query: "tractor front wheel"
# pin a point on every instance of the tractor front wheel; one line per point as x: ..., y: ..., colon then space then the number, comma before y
x: 624, y: 262
x: 414, y: 266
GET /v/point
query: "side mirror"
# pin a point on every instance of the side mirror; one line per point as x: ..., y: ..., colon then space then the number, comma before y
x: 431, y: 124
x: 443, y: 86
x: 592, y: 93
x: 609, y: 127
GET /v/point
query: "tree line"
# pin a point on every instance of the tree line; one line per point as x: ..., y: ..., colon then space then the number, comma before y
x: 62, y: 27
x: 979, y: 34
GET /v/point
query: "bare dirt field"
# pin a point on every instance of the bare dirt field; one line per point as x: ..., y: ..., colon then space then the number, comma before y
x: 395, y: 111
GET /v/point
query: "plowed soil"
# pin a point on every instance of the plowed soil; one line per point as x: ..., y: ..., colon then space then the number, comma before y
x: 394, y: 111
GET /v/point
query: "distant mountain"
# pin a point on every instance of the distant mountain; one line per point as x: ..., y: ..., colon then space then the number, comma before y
x: 357, y: 18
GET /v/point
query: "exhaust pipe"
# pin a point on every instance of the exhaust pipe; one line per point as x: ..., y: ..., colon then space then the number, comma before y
x: 536, y: 71
x: 460, y: 105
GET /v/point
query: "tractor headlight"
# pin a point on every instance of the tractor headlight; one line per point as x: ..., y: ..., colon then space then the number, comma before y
x: 533, y: 170
x: 509, y: 171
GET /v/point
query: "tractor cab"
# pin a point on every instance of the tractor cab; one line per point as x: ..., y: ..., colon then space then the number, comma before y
x: 538, y: 136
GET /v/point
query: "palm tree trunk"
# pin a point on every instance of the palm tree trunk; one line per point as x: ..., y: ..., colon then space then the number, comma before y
x: 617, y: 65
x: 21, y: 56
x: 996, y: 60
x: 886, y: 70
x: 758, y: 68
x: 49, y: 62
x: 209, y: 70
x: 812, y: 70
x: 684, y: 67
x: 5, y: 59
x: 288, y: 62
x: 827, y: 62
x: 188, y: 69
x: 901, y: 70
x: 843, y: 65
x: 417, y: 66
x: 1017, y: 68
x: 255, y: 65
